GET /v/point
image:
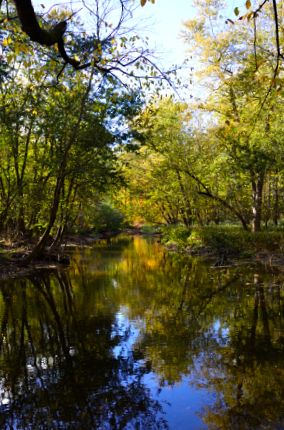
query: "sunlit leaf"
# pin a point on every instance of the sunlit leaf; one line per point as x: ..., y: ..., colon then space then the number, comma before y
x: 6, y: 41
x: 250, y: 15
x: 248, y: 4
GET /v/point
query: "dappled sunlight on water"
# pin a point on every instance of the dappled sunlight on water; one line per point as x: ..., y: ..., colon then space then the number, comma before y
x: 132, y: 337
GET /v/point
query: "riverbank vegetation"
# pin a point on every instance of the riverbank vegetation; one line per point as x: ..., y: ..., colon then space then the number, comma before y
x: 85, y: 148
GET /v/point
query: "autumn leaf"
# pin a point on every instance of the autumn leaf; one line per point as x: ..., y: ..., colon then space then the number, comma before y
x: 6, y: 41
x: 248, y: 4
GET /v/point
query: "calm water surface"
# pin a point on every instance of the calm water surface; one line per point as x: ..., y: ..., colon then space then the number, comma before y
x: 131, y: 337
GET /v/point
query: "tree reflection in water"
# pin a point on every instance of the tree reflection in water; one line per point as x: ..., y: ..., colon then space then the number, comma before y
x: 249, y: 377
x: 58, y: 369
x: 68, y: 362
x: 222, y: 329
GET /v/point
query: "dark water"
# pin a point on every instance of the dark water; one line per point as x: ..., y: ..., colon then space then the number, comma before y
x: 131, y: 337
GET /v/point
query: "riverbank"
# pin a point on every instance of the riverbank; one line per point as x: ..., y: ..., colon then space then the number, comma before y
x: 227, y: 245
x: 14, y: 253
x: 221, y: 246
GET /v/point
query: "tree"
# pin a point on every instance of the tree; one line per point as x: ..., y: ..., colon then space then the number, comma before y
x: 252, y: 13
x: 111, y: 49
x: 184, y: 152
x: 241, y: 99
x: 58, y: 145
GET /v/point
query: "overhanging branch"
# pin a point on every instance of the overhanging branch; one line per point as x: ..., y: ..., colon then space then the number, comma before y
x: 36, y: 33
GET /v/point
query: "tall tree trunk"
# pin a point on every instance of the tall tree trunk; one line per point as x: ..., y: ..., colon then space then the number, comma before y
x: 186, y: 211
x: 257, y: 189
x: 275, y: 213
x: 21, y: 219
x: 39, y: 247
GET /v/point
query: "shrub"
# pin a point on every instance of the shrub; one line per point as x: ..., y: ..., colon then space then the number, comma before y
x: 107, y: 218
x: 177, y: 234
x: 225, y: 240
x: 231, y: 240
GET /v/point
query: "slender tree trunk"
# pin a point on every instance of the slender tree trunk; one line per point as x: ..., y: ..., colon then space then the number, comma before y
x: 275, y: 213
x: 257, y: 189
x: 186, y: 210
x: 21, y: 226
x: 40, y: 246
x: 20, y: 181
x: 38, y: 249
x: 199, y: 219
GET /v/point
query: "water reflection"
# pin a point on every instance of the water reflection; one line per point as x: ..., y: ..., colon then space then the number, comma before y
x: 131, y: 337
x: 58, y: 369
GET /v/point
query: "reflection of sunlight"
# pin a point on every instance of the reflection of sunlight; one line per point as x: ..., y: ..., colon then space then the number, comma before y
x: 44, y: 363
x: 152, y: 263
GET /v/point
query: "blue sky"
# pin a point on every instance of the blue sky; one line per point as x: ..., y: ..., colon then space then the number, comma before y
x: 166, y: 19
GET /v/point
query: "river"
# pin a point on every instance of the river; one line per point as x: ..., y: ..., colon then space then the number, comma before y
x: 133, y: 337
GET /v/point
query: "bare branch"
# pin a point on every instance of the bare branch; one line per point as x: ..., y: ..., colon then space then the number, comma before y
x: 260, y: 7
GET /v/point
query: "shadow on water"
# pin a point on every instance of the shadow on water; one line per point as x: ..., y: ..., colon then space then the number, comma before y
x: 131, y: 337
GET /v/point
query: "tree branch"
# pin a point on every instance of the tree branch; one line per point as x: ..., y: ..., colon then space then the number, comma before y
x: 31, y: 27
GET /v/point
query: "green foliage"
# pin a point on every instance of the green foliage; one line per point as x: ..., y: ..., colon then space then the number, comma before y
x: 63, y: 147
x: 227, y: 240
x: 221, y: 156
x: 221, y: 239
x: 175, y: 235
x: 234, y: 241
x: 150, y: 229
x: 59, y: 140
x: 107, y: 218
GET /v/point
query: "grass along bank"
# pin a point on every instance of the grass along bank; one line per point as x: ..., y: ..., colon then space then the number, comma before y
x: 226, y: 242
